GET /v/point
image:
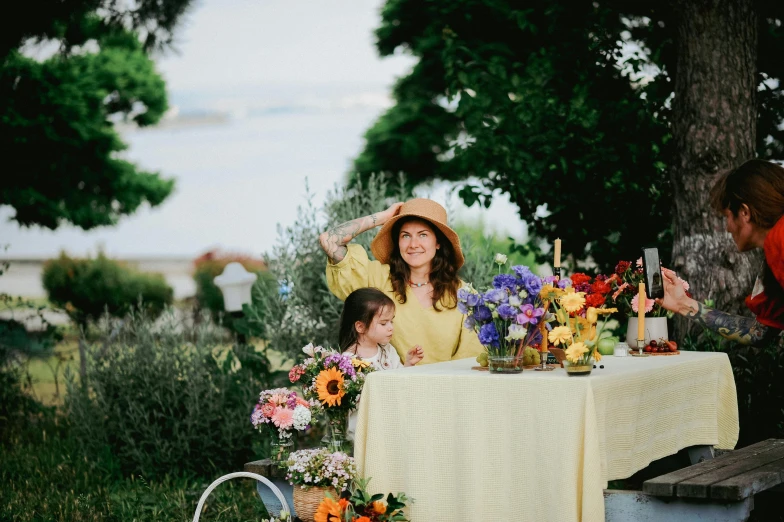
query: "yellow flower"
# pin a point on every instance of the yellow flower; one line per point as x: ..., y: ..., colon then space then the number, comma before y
x: 591, y: 315
x: 328, y: 511
x: 572, y: 301
x: 580, y: 326
x: 560, y: 335
x: 329, y: 385
x: 550, y: 293
x: 575, y: 351
x: 597, y: 356
x: 359, y: 363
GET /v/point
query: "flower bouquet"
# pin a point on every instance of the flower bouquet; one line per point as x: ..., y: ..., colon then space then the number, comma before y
x: 360, y: 506
x: 332, y: 382
x: 315, y: 473
x: 504, y: 316
x: 281, y: 413
x: 575, y: 316
x: 625, y: 282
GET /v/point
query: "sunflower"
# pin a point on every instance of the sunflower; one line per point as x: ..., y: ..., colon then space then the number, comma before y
x: 560, y: 335
x: 575, y: 351
x: 329, y: 385
x: 328, y: 511
x: 572, y: 301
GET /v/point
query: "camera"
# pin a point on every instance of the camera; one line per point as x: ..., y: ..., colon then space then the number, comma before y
x: 651, y: 266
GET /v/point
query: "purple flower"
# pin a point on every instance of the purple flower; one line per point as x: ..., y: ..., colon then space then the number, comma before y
x: 564, y: 283
x: 504, y: 281
x: 529, y: 314
x: 584, y: 287
x: 522, y: 271
x: 488, y: 335
x: 343, y: 363
x: 496, y: 295
x: 469, y: 322
x: 506, y: 312
x: 515, y: 300
x: 472, y: 300
x: 462, y: 307
x: 482, y: 313
x: 533, y: 284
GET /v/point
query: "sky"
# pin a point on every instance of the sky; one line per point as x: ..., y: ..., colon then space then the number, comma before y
x: 266, y: 95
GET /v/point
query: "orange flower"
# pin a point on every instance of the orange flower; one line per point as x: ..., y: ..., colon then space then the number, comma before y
x: 379, y: 507
x: 329, y: 385
x: 362, y: 519
x: 328, y: 511
x: 343, y: 503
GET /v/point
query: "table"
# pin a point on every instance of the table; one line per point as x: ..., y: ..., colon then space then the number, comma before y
x: 539, y: 446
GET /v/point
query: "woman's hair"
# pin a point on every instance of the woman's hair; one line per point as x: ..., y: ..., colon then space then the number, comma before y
x: 443, y: 272
x: 757, y: 183
x: 361, y: 305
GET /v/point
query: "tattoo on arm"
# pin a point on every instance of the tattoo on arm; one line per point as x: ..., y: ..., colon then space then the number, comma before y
x: 743, y: 330
x: 334, y: 240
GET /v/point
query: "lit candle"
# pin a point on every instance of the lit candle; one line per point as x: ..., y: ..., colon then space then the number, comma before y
x: 641, y: 313
x: 557, y: 260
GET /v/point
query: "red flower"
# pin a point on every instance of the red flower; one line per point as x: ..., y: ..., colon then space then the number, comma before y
x: 595, y: 300
x: 600, y: 287
x: 579, y: 279
x: 622, y: 267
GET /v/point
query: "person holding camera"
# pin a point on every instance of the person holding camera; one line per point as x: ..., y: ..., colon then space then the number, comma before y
x: 751, y: 197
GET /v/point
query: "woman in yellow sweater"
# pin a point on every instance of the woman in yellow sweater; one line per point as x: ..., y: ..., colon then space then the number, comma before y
x: 417, y: 259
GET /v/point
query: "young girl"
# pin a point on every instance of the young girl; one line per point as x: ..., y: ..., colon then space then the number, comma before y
x: 365, y: 330
x: 366, y: 326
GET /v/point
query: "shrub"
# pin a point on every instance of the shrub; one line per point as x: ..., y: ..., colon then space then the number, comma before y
x: 87, y: 288
x: 166, y: 398
x: 208, y: 295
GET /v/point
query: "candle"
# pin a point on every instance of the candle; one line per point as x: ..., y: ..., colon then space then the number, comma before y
x: 641, y: 313
x: 557, y: 260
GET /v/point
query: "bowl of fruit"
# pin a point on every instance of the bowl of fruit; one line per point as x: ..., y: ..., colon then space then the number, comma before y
x: 661, y: 347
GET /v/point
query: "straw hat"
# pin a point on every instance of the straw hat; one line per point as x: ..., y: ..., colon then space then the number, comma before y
x: 422, y: 208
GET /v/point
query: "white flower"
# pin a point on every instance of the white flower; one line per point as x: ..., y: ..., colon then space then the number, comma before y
x: 301, y: 417
x: 516, y: 332
x: 309, y: 350
x: 500, y: 259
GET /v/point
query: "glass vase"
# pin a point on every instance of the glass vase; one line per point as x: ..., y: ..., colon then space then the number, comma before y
x: 337, y: 427
x: 281, y: 448
x: 583, y: 366
x: 505, y: 363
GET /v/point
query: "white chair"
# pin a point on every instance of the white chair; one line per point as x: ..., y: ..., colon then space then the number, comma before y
x: 241, y: 474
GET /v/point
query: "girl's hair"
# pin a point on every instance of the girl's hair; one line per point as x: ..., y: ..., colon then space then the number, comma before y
x: 361, y: 305
x: 757, y: 183
x: 443, y: 272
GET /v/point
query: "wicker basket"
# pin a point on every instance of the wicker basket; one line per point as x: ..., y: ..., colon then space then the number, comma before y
x: 306, y: 501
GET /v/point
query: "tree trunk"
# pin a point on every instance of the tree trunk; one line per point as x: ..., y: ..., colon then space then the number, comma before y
x: 714, y: 127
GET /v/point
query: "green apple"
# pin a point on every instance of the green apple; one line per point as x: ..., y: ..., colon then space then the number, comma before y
x: 606, y: 345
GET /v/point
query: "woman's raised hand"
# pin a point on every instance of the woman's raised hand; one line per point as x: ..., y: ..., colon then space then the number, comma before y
x: 675, y: 298
x: 385, y: 215
x: 414, y: 355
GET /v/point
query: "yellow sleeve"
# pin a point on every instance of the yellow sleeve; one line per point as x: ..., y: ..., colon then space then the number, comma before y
x: 468, y: 345
x: 355, y: 271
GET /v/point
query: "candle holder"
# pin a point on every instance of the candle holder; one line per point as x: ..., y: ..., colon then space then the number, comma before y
x: 557, y: 273
x: 543, y: 364
x: 640, y: 346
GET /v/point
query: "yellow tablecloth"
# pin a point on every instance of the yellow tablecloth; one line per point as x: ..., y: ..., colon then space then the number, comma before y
x: 536, y: 446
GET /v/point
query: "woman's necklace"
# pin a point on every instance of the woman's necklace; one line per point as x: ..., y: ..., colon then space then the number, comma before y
x: 417, y: 285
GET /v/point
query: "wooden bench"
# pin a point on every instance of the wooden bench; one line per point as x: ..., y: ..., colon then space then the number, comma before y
x: 718, y: 489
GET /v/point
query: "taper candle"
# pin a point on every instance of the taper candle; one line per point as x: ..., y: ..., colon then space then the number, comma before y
x: 557, y: 249
x: 641, y: 313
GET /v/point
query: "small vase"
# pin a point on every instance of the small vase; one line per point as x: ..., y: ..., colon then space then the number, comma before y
x: 582, y: 367
x: 655, y: 328
x: 280, y: 450
x: 335, y: 434
x: 306, y: 501
x: 505, y: 363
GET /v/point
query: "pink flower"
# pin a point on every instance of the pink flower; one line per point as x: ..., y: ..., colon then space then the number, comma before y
x: 685, y: 284
x: 279, y: 399
x: 303, y: 402
x: 620, y: 289
x: 295, y: 373
x: 648, y: 304
x: 267, y: 409
x: 283, y: 418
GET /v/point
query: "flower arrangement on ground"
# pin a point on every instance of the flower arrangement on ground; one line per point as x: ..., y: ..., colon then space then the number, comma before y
x: 333, y: 383
x: 361, y: 506
x: 625, y: 282
x: 284, y: 516
x: 505, y: 315
x: 576, y: 315
x: 320, y: 468
x: 281, y: 413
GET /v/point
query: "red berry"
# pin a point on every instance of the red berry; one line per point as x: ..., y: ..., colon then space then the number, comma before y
x: 653, y: 342
x: 647, y: 349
